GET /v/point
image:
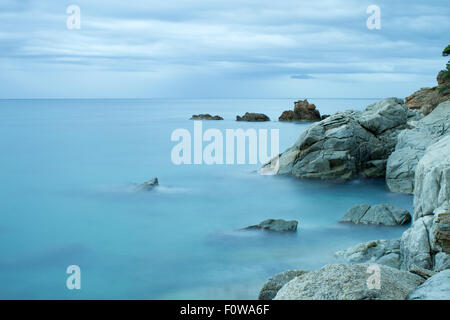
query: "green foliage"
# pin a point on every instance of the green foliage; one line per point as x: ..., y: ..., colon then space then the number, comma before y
x: 446, y: 51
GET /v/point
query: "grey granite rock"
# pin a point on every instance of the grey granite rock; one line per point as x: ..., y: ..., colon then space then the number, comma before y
x: 435, y: 288
x: 350, y: 282
x: 385, y: 214
x: 348, y: 144
x: 411, y: 146
x: 276, y: 282
x: 386, y: 252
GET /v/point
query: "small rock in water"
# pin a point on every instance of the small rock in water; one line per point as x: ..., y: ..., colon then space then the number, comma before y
x: 278, y: 225
x: 205, y: 116
x: 149, y: 185
x: 385, y: 214
x: 253, y: 117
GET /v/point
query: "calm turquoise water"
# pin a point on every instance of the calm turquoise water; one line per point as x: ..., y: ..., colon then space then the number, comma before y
x: 65, y: 198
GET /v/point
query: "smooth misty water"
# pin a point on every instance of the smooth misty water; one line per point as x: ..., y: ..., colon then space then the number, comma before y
x: 65, y: 198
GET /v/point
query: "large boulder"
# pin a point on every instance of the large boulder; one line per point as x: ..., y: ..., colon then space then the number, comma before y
x: 253, y: 117
x: 435, y: 288
x: 303, y: 112
x: 411, y: 146
x: 386, y: 252
x: 350, y: 282
x: 415, y: 246
x: 385, y: 214
x: 277, y: 225
x: 430, y: 233
x: 347, y: 144
x: 432, y: 179
x: 276, y: 282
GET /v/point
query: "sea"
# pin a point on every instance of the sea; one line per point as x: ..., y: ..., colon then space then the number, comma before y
x: 68, y: 196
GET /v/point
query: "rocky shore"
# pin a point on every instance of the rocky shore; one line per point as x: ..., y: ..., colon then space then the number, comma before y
x: 407, y: 144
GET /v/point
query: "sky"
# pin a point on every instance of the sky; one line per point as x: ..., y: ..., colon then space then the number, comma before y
x: 220, y: 48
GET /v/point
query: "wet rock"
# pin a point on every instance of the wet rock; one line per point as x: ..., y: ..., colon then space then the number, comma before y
x: 276, y: 282
x: 253, y: 117
x: 385, y: 214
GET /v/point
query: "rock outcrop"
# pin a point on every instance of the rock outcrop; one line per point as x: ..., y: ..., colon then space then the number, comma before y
x: 348, y: 144
x: 411, y: 146
x: 385, y: 214
x: 303, y: 112
x: 253, y: 117
x: 350, y: 282
x: 148, y: 185
x: 435, y: 288
x: 277, y: 225
x: 426, y: 99
x: 386, y: 252
x: 276, y: 282
x: 430, y: 233
x: 205, y: 116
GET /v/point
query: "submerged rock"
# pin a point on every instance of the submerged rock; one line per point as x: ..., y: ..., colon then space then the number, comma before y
x: 148, y: 185
x: 385, y: 214
x: 278, y: 225
x: 205, y: 116
x: 435, y: 288
x: 253, y: 117
x: 348, y: 144
x: 350, y: 282
x: 411, y: 146
x: 303, y: 112
x: 276, y: 282
x: 386, y: 252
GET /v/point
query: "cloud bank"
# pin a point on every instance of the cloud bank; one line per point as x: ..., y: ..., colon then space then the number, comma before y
x: 198, y: 48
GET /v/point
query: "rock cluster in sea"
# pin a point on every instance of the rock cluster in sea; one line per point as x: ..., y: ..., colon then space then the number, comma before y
x: 354, y: 144
x: 205, y: 116
x: 253, y: 117
x: 303, y: 112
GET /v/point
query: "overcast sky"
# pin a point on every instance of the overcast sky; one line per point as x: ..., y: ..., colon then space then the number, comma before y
x: 220, y: 48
